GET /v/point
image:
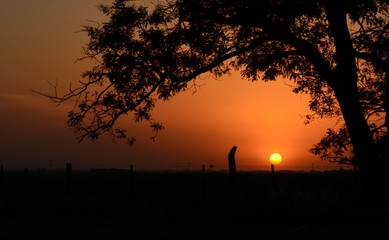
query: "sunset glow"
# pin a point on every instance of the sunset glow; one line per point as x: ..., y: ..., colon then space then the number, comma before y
x: 189, y: 119
x: 201, y: 124
x: 275, y: 158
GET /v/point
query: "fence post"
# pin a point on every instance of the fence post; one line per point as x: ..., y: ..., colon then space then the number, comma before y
x: 131, y: 177
x: 273, y: 178
x: 232, y: 166
x: 68, y: 177
x: 131, y: 173
x: 1, y: 175
x: 203, y: 185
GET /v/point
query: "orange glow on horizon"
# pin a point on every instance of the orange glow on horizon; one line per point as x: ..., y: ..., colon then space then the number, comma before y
x: 258, y: 117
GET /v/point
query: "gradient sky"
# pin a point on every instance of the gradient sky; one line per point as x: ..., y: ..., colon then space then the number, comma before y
x: 40, y: 42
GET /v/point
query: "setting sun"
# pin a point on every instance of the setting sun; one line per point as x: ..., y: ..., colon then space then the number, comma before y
x: 275, y: 158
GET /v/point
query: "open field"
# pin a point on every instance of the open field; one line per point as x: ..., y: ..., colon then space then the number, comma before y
x: 179, y: 205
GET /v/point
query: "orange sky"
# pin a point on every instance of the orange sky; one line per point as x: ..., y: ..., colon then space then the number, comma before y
x: 39, y: 43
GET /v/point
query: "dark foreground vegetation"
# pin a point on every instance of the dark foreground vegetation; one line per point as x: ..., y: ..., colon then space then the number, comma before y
x: 180, y: 205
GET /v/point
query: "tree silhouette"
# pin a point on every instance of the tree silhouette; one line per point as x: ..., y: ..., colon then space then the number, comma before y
x: 336, y: 51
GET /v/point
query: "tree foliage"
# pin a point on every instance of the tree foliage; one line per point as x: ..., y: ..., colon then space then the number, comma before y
x: 335, y: 51
x: 369, y: 29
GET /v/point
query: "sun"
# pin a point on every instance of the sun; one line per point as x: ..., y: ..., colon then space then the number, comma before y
x: 275, y: 158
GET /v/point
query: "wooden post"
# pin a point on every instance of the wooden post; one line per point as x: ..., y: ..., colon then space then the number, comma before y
x: 274, y: 178
x: 232, y: 165
x: 1, y: 182
x: 131, y: 173
x: 203, y: 185
x: 131, y: 176
x: 1, y: 174
x: 68, y: 177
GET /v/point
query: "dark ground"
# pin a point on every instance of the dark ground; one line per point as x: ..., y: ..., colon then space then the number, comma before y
x: 174, y: 205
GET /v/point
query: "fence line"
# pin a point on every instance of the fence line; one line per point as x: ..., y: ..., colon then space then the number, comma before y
x: 192, y: 167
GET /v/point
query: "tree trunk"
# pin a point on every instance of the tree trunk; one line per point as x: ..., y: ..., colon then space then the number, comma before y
x: 358, y: 129
x: 344, y: 84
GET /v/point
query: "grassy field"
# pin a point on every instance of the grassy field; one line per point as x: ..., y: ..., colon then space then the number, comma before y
x: 177, y: 205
